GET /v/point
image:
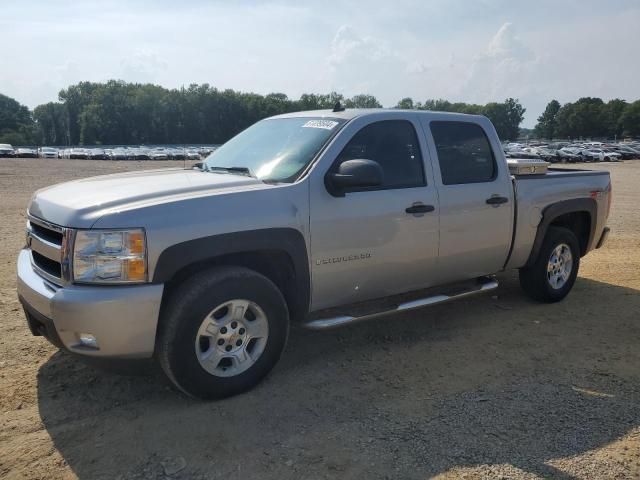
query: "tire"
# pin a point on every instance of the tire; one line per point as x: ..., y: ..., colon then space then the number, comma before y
x: 544, y: 286
x: 200, y: 313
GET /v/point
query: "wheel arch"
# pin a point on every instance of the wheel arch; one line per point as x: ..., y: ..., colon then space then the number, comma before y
x: 578, y: 215
x: 279, y: 254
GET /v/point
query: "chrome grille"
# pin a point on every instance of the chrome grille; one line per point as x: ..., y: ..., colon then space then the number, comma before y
x: 47, y: 243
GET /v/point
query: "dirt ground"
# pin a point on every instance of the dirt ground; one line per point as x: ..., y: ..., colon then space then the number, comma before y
x: 488, y: 387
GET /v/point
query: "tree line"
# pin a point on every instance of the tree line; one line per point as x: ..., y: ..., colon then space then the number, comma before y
x: 121, y: 113
x: 589, y: 117
x: 505, y: 116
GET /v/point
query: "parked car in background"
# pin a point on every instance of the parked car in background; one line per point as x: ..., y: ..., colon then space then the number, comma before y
x: 205, y: 151
x: 119, y: 154
x: 604, y: 156
x: 625, y: 151
x: 6, y: 150
x: 178, y: 154
x: 547, y: 154
x: 192, y: 155
x: 589, y: 155
x: 565, y: 155
x: 24, y: 152
x: 97, y: 154
x: 48, y: 152
x: 79, y: 153
x: 573, y: 151
x: 159, y: 154
x: 518, y: 150
x: 138, y: 154
x: 611, y: 155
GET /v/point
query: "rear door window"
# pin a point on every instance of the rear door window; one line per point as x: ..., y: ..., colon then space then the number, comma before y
x: 464, y: 153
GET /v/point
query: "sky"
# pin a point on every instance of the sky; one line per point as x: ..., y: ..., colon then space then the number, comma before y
x: 471, y: 51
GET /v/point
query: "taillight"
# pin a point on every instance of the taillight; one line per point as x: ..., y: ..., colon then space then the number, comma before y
x: 595, y: 194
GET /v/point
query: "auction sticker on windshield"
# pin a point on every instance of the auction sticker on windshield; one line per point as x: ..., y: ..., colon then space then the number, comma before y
x: 325, y: 124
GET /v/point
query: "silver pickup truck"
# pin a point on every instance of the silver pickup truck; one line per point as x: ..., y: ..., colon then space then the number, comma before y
x: 323, y: 218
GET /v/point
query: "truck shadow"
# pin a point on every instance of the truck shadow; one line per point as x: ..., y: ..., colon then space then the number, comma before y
x: 486, y: 381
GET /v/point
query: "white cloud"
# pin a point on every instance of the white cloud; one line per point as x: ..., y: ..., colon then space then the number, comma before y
x: 503, y: 70
x: 143, y: 66
x: 506, y: 45
x: 355, y: 63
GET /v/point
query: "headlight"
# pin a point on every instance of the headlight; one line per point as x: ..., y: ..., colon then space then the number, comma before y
x: 110, y: 256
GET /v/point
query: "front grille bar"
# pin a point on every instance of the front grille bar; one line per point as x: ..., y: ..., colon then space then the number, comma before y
x: 44, y: 247
x: 42, y: 241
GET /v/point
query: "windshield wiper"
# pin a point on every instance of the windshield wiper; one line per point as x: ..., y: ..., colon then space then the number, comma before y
x: 237, y: 170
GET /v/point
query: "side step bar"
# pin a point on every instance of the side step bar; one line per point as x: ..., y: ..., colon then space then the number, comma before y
x: 484, y: 284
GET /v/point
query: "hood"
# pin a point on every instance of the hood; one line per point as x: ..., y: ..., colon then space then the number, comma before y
x: 81, y: 202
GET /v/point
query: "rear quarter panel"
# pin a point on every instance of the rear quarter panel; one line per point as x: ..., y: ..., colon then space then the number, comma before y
x: 534, y: 193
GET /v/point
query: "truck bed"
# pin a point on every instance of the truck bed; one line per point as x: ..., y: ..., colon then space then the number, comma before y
x: 534, y: 193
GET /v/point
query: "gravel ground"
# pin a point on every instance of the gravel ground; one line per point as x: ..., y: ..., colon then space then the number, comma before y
x: 488, y: 387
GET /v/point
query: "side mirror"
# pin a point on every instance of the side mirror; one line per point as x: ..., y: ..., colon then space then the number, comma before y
x: 197, y: 165
x: 353, y: 174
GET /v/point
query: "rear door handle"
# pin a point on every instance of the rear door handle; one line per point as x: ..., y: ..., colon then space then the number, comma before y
x: 420, y: 208
x: 497, y: 200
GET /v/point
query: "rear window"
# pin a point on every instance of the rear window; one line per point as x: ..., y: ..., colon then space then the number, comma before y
x: 464, y: 153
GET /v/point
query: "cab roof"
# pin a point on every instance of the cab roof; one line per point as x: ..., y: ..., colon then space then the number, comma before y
x: 350, y: 113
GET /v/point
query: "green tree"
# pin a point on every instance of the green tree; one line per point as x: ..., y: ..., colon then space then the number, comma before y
x: 584, y: 118
x: 76, y: 98
x: 51, y: 122
x: 630, y: 119
x: 406, y: 104
x: 547, y: 125
x: 506, y: 117
x: 565, y: 122
x: 439, y: 105
x: 442, y: 105
x: 117, y: 112
x: 362, y: 101
x: 16, y: 123
x: 612, y: 113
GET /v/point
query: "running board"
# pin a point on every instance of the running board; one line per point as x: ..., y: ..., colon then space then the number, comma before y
x: 484, y: 284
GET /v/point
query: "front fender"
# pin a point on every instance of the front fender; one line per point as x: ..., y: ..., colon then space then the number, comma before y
x: 199, y: 250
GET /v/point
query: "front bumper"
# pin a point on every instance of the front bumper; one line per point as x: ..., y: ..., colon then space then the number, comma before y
x: 123, y: 319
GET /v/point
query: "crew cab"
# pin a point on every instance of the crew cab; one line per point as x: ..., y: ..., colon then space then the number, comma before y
x: 322, y: 218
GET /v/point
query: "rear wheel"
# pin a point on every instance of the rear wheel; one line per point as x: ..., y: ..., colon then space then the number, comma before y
x: 221, y: 332
x: 554, y: 272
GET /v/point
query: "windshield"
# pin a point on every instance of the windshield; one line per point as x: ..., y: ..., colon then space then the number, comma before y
x: 275, y: 150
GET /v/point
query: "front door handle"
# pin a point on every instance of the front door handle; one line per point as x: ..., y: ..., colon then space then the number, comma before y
x: 497, y: 200
x: 420, y: 208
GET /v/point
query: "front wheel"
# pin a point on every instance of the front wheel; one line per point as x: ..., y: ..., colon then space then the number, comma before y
x: 221, y: 332
x: 554, y: 272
